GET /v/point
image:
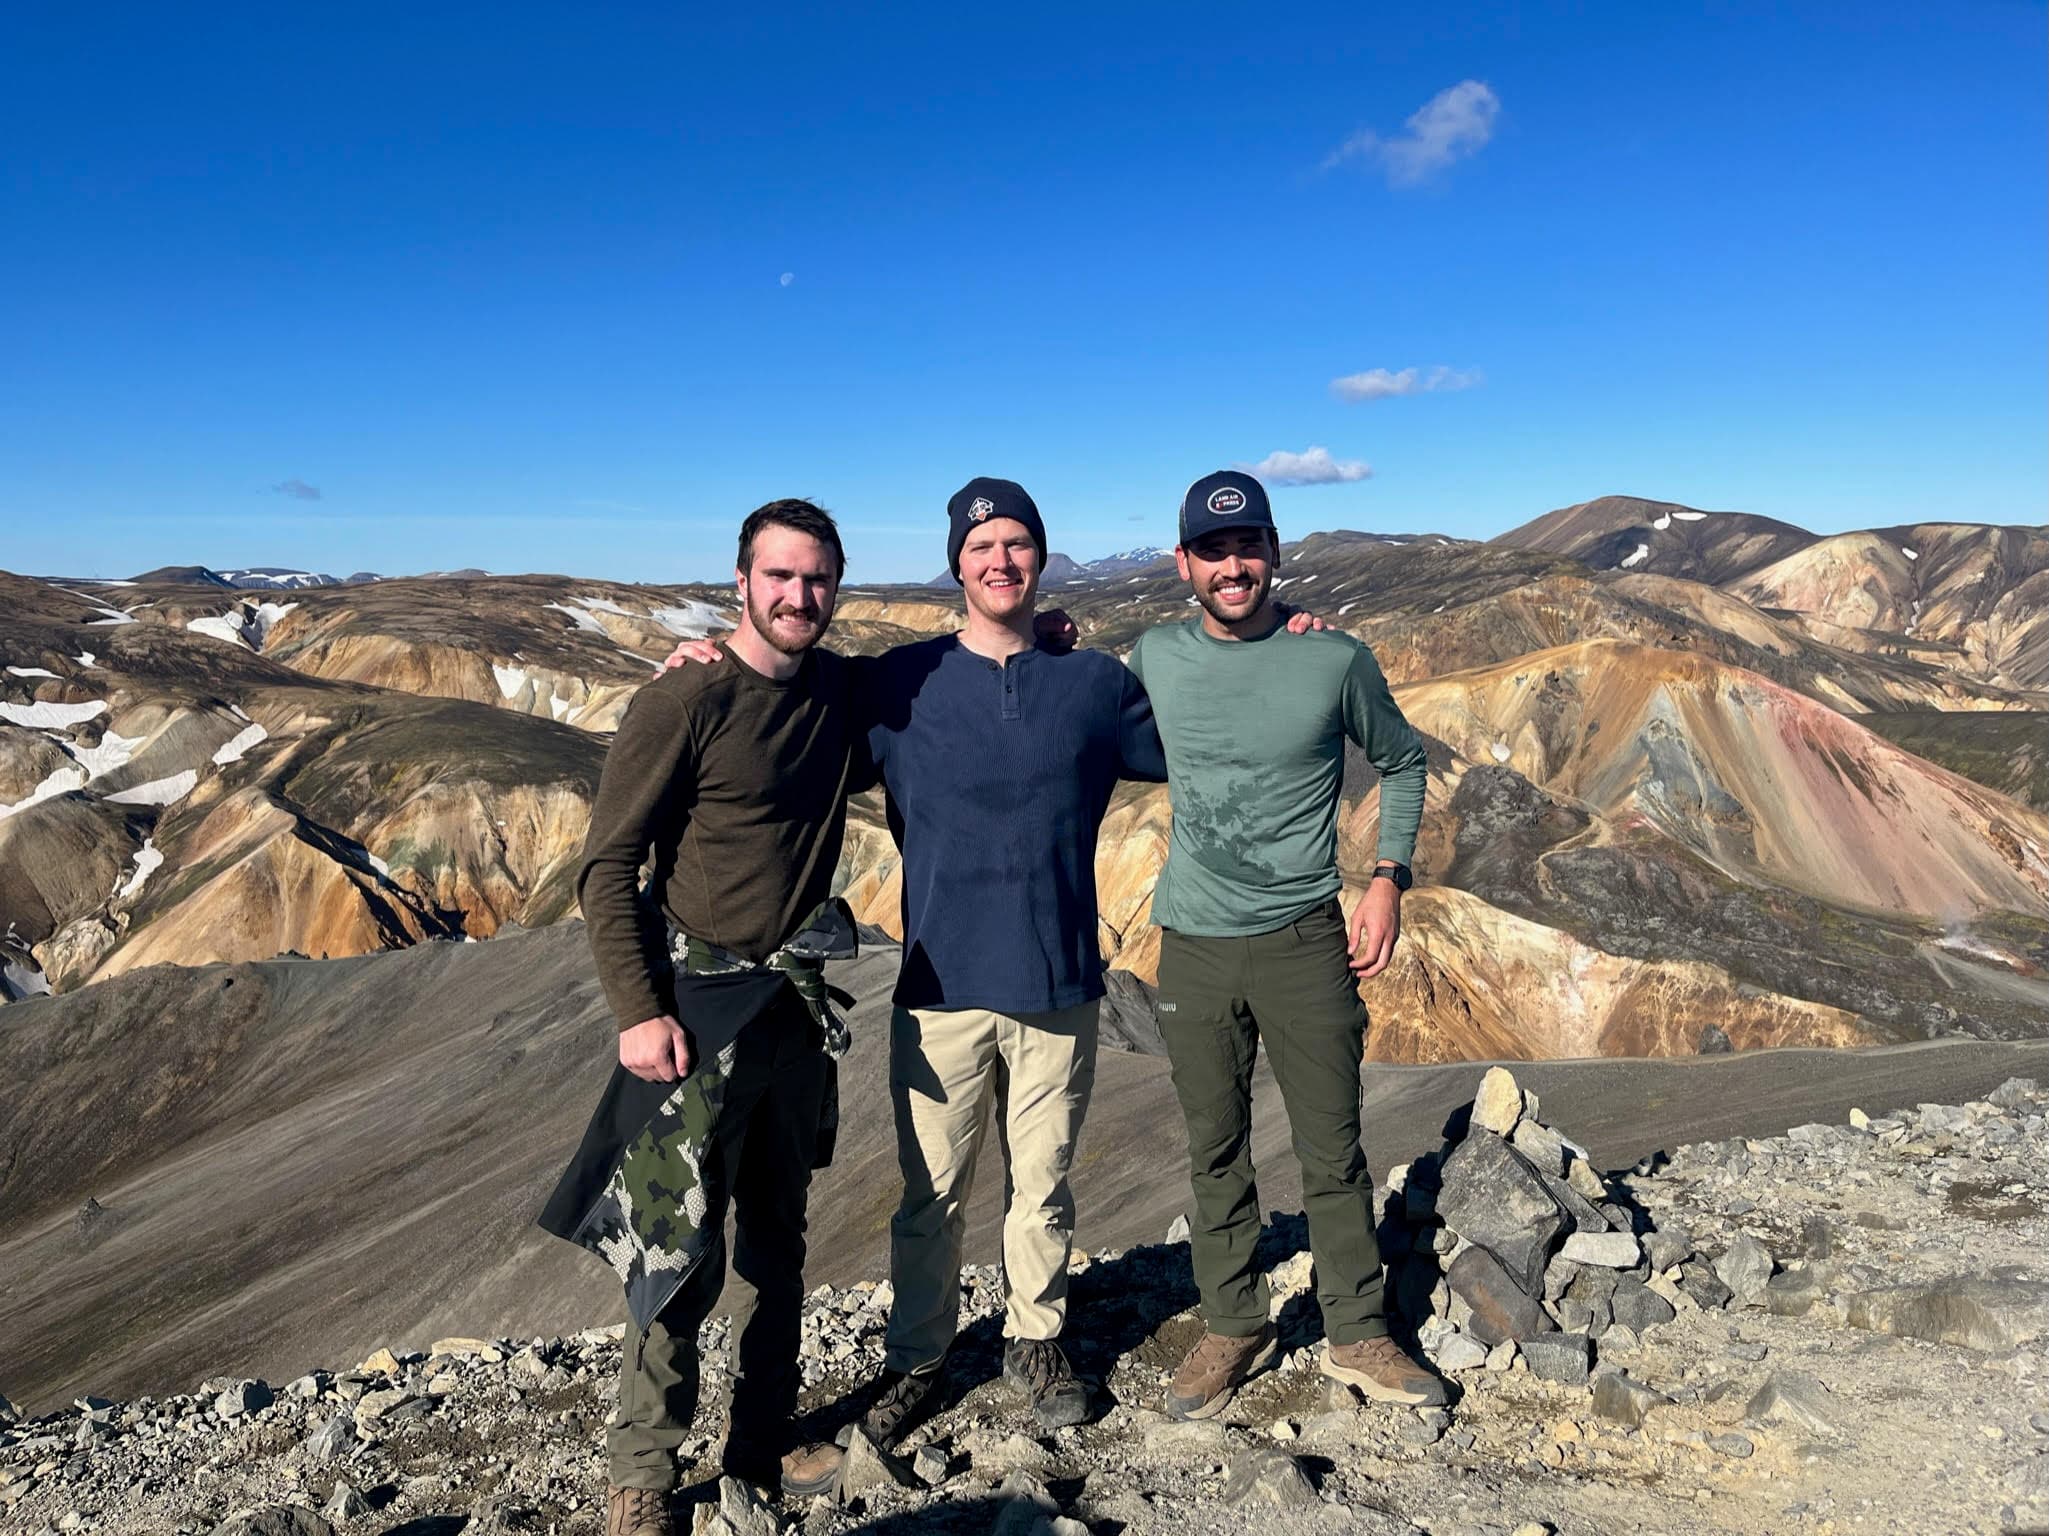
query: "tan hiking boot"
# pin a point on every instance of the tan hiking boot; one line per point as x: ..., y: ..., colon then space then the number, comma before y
x: 1380, y: 1369
x: 638, y: 1512
x: 812, y: 1469
x: 1215, y: 1369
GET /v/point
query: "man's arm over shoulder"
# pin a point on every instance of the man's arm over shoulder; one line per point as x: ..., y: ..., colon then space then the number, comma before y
x: 1392, y: 745
x: 859, y: 681
x: 1136, y: 660
x: 890, y: 684
x: 1140, y: 753
x: 649, y: 779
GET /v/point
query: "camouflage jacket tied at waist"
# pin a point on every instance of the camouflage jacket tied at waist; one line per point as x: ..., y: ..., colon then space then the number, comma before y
x: 657, y: 1216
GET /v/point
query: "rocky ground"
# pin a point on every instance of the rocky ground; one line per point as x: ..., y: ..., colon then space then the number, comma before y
x: 1842, y: 1329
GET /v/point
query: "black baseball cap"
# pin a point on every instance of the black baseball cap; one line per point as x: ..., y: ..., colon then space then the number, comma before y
x: 1229, y: 498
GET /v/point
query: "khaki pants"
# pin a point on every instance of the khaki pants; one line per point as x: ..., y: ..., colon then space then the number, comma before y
x: 945, y: 1067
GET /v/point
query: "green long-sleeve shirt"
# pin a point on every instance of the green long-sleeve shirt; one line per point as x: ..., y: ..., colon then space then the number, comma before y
x: 1255, y: 735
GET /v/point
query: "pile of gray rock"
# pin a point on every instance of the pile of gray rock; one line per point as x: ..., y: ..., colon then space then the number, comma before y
x: 1509, y: 1243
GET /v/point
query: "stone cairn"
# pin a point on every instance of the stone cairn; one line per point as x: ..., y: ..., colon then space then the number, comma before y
x: 1508, y: 1243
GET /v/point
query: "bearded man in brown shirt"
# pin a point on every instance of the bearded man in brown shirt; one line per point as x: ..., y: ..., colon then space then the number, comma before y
x: 734, y: 779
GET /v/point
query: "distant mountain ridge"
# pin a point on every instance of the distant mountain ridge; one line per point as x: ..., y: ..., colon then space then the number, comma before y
x: 1061, y: 569
x: 261, y: 578
x: 1629, y: 533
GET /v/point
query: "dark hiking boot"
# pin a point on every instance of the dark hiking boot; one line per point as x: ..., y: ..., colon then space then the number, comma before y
x: 1038, y: 1368
x: 899, y: 1397
x: 1380, y: 1369
x: 1215, y: 1369
x: 638, y: 1512
x: 811, y: 1469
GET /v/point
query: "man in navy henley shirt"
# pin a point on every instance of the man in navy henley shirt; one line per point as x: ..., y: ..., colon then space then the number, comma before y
x: 997, y: 760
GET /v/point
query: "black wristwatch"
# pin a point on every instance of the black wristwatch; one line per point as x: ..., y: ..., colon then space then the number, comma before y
x: 1398, y: 873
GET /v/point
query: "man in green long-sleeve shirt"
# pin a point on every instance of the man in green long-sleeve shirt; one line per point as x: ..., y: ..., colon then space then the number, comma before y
x: 1254, y: 945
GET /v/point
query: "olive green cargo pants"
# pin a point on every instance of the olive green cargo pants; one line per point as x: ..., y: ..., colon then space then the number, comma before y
x: 1292, y: 990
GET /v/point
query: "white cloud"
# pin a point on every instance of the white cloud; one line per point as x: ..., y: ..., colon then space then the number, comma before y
x: 1451, y: 125
x: 1312, y: 466
x: 1385, y: 384
x: 298, y: 490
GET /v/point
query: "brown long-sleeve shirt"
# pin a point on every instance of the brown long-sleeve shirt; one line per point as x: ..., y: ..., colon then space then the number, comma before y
x: 737, y: 784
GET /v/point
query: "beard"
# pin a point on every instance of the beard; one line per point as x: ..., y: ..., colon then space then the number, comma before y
x: 789, y: 640
x: 1215, y: 608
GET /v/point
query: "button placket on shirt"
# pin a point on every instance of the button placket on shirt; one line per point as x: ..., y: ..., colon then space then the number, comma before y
x: 1012, y: 696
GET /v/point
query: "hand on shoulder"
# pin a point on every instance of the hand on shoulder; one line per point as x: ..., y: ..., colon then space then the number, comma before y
x: 691, y: 652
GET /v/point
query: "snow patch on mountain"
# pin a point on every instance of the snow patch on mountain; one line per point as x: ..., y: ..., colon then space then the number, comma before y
x: 220, y: 627
x: 114, y: 751
x: 692, y: 620
x: 148, y: 860
x: 578, y: 617
x: 19, y: 981
x: 266, y: 614
x: 61, y: 781
x: 233, y: 750
x: 44, y: 715
x: 158, y: 791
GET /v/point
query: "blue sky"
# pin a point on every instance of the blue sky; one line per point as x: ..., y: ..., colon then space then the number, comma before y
x: 504, y: 285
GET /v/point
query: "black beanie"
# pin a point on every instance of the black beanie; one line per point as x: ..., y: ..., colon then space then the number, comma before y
x: 981, y: 499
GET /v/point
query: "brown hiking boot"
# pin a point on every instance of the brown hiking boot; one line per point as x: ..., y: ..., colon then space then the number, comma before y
x: 812, y: 1469
x: 638, y: 1512
x: 900, y: 1399
x: 1380, y: 1369
x: 1215, y: 1369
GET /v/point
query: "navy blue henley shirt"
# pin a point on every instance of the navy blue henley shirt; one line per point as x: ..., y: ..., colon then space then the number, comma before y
x: 997, y: 776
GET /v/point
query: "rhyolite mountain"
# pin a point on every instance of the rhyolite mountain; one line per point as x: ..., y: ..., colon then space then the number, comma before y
x: 1626, y: 532
x: 1711, y: 786
x: 1969, y: 596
